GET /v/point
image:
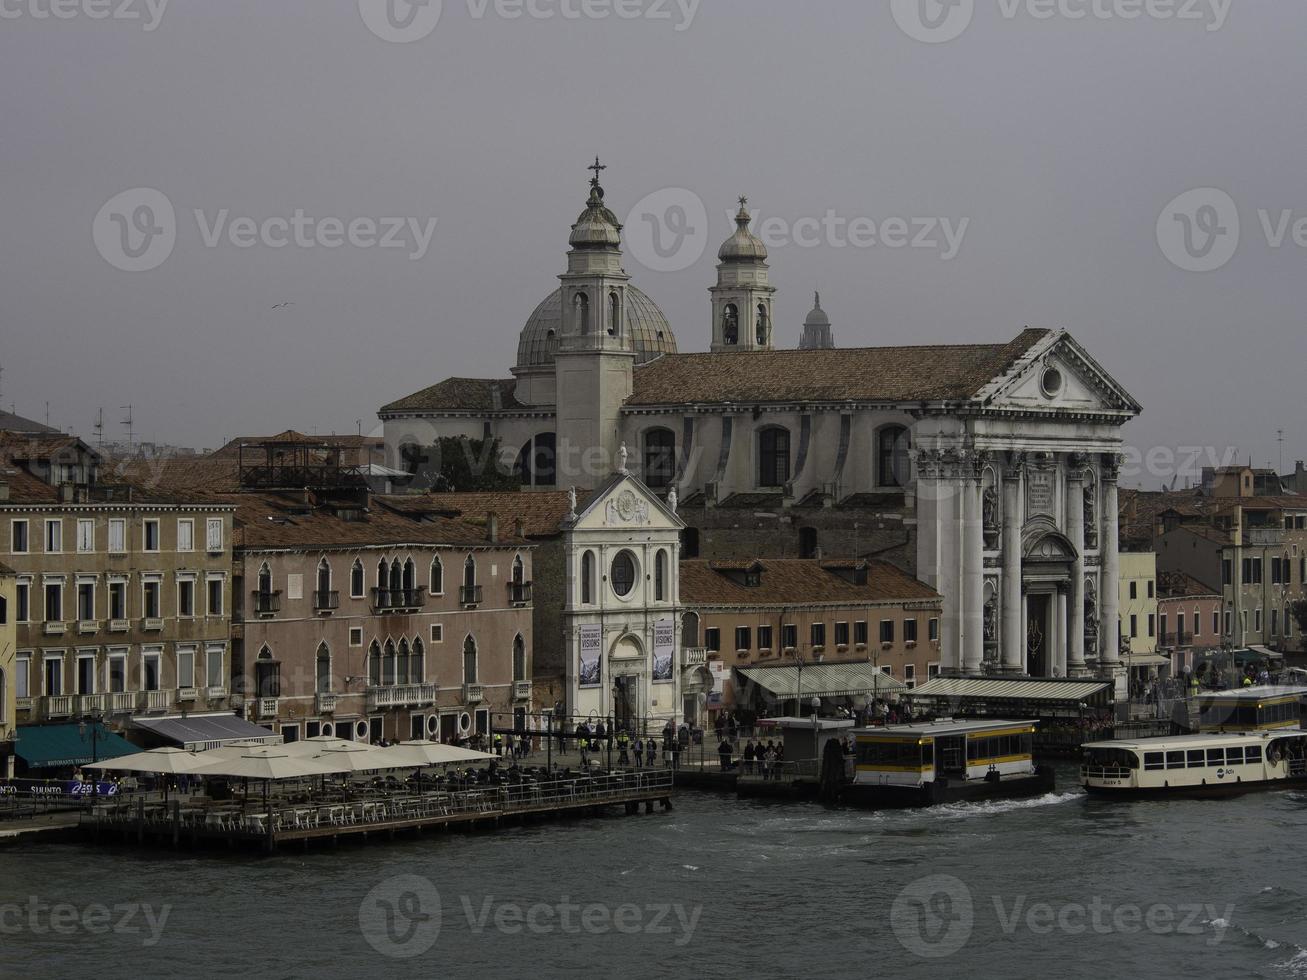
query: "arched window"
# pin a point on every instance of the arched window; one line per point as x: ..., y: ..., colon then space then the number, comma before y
x: 893, y: 466
x: 731, y: 324
x: 470, y: 660
x: 374, y: 665
x: 614, y: 314
x: 764, y: 327
x: 324, y: 669
x: 659, y: 458
x: 396, y: 577
x: 519, y: 658
x: 519, y: 570
x: 581, y: 311
x: 324, y: 576
x: 267, y: 675
x: 437, y: 576
x: 383, y: 574
x: 356, y: 580
x: 401, y: 663
x: 537, y: 462
x: 388, y: 665
x: 417, y: 666
x: 469, y: 573
x: 265, y: 579
x: 660, y: 576
x: 588, y: 577
x: 773, y: 457
x: 410, y: 576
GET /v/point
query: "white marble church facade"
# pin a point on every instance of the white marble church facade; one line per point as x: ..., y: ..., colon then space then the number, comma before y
x: 998, y: 459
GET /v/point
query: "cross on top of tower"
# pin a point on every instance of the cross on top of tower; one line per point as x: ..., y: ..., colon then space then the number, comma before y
x: 597, y: 167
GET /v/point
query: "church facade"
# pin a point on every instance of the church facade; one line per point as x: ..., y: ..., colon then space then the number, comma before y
x: 988, y: 470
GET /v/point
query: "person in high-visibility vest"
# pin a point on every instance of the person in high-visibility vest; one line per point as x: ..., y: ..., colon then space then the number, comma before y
x: 623, y: 740
x: 499, y: 745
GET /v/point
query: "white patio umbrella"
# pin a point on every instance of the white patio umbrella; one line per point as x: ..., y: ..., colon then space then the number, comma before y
x: 438, y: 754
x: 356, y: 757
x: 308, y: 747
x: 269, y: 763
x: 170, y: 760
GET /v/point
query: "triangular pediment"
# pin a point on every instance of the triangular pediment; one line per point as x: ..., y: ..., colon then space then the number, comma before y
x: 625, y: 503
x: 1059, y: 375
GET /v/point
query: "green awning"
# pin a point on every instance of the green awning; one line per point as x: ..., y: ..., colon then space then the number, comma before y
x: 57, y: 746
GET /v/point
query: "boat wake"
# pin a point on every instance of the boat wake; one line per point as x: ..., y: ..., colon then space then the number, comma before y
x: 964, y: 811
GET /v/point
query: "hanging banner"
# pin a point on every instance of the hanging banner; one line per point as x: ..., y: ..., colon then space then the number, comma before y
x: 664, y: 649
x: 592, y: 648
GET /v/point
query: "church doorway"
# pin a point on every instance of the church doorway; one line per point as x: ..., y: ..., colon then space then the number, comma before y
x: 1038, y: 638
x: 626, y: 700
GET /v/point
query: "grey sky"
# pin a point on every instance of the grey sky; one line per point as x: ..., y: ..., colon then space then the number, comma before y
x: 1060, y: 140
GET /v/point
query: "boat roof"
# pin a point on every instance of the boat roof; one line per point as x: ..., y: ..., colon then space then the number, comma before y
x: 944, y: 726
x: 823, y: 724
x: 1262, y: 693
x: 1203, y: 739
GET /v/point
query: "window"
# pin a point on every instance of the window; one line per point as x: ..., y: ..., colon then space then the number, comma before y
x: 18, y: 543
x: 388, y: 665
x: 186, y: 667
x: 54, y: 675
x: 86, y: 673
x: 150, y: 599
x: 323, y: 669
x: 186, y: 597
x: 1257, y: 571
x: 215, y: 589
x: 213, y: 534
x: 86, y: 603
x: 118, y: 599
x: 910, y: 630
x: 213, y: 667
x: 1152, y: 589
x: 151, y: 670
x: 1257, y: 621
x: 151, y: 535
x: 437, y: 633
x: 54, y: 602
x: 23, y: 676
x: 356, y: 583
x: 1227, y: 571
x: 842, y: 634
x: 659, y: 458
x: 1134, y: 625
x: 860, y: 632
x: 1179, y: 625
x: 54, y: 537
x: 85, y: 535
x: 773, y: 457
x: 789, y: 636
x: 356, y: 636
x: 374, y: 665
x: 712, y: 638
x: 185, y: 534
x: 623, y: 574
x: 469, y: 661
x: 887, y: 631
x: 1134, y: 590
x: 469, y: 573
x: 743, y: 638
x: 1152, y: 625
x: 1216, y: 622
x: 818, y: 634
x: 587, y: 577
x: 660, y: 577
x: 117, y: 535
x: 893, y: 466
x: 519, y: 658
x: 437, y: 582
x: 764, y: 637
x: 1275, y: 622
x: 23, y: 600
x: 417, y: 665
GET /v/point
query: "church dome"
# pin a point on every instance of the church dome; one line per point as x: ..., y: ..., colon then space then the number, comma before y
x: 597, y: 226
x: 645, y: 325
x: 744, y: 245
x: 818, y: 317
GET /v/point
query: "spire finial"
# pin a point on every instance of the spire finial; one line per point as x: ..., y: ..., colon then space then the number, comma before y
x: 743, y: 217
x: 816, y: 298
x: 597, y: 167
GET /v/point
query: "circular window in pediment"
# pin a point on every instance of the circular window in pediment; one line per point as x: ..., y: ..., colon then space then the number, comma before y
x: 1051, y: 382
x: 623, y: 574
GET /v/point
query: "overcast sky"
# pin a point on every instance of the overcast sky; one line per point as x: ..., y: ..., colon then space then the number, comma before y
x: 1050, y: 146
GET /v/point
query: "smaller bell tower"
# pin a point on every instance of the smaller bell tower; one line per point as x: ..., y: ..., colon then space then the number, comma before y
x: 742, y: 299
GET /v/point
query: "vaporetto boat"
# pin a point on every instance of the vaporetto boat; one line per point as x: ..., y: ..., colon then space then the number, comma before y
x: 1205, y: 765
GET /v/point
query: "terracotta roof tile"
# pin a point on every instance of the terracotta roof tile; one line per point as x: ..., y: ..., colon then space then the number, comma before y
x: 459, y: 394
x: 541, y: 512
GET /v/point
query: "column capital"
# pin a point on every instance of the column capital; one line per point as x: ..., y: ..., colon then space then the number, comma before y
x: 1076, y: 463
x: 1111, y: 466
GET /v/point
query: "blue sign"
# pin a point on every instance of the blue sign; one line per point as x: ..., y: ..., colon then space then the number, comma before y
x: 46, y: 790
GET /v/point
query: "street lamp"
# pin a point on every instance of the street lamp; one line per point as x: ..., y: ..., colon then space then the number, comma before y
x: 90, y: 726
x: 798, y: 694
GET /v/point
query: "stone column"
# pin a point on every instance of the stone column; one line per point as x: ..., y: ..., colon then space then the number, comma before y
x: 1075, y: 525
x: 973, y: 569
x: 1061, y: 636
x: 1014, y: 631
x: 1109, y: 590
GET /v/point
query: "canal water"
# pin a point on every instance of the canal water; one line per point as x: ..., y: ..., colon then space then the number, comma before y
x: 1059, y: 886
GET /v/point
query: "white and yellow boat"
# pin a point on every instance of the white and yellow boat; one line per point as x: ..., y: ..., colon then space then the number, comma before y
x: 1212, y: 764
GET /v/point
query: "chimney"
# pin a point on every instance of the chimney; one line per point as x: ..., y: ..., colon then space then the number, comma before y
x: 492, y: 528
x: 519, y: 527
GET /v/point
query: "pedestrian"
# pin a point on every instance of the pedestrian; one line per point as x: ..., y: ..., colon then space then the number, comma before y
x: 724, y: 754
x: 651, y: 752
x: 748, y: 758
x: 622, y: 741
x: 639, y: 752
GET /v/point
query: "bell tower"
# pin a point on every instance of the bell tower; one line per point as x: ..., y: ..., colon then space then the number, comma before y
x: 742, y: 298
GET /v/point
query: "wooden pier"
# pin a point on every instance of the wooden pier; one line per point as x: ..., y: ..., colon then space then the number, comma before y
x: 363, y: 814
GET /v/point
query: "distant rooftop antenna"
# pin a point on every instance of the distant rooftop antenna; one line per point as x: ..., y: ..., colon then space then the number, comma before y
x: 1279, y: 437
x: 128, y: 422
x: 99, y: 428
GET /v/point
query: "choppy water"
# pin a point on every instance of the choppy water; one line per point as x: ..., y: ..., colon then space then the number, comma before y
x: 1059, y: 886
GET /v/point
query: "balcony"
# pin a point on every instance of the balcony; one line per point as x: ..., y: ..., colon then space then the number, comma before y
x: 88, y: 703
x: 152, y: 624
x: 187, y: 694
x: 519, y: 593
x: 24, y: 704
x: 401, y: 696
x: 266, y: 603
x: 55, y: 628
x: 122, y: 703
x: 473, y: 693
x: 469, y: 595
x: 157, y: 700
x: 521, y: 690
x: 88, y: 626
x: 266, y: 708
x: 119, y: 625
x: 1263, y: 537
x: 326, y: 601
x: 215, y: 693
x: 326, y: 704
x: 398, y: 600
x: 695, y: 655
x: 57, y: 706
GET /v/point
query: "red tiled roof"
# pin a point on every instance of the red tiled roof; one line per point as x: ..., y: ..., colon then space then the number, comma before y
x: 798, y: 582
x: 459, y: 394
x: 1180, y: 585
x: 541, y: 512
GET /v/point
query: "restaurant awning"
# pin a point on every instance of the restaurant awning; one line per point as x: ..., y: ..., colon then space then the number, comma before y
x: 957, y: 693
x: 1146, y: 660
x: 57, y: 746
x: 823, y: 680
x: 200, y: 733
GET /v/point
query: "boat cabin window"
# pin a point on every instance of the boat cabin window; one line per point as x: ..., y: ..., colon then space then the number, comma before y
x: 1175, y: 760
x: 886, y: 753
x: 1154, y: 761
x: 1252, y: 753
x: 1197, y: 759
x: 1113, y: 758
x: 999, y: 746
x: 1225, y: 714
x: 1216, y: 757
